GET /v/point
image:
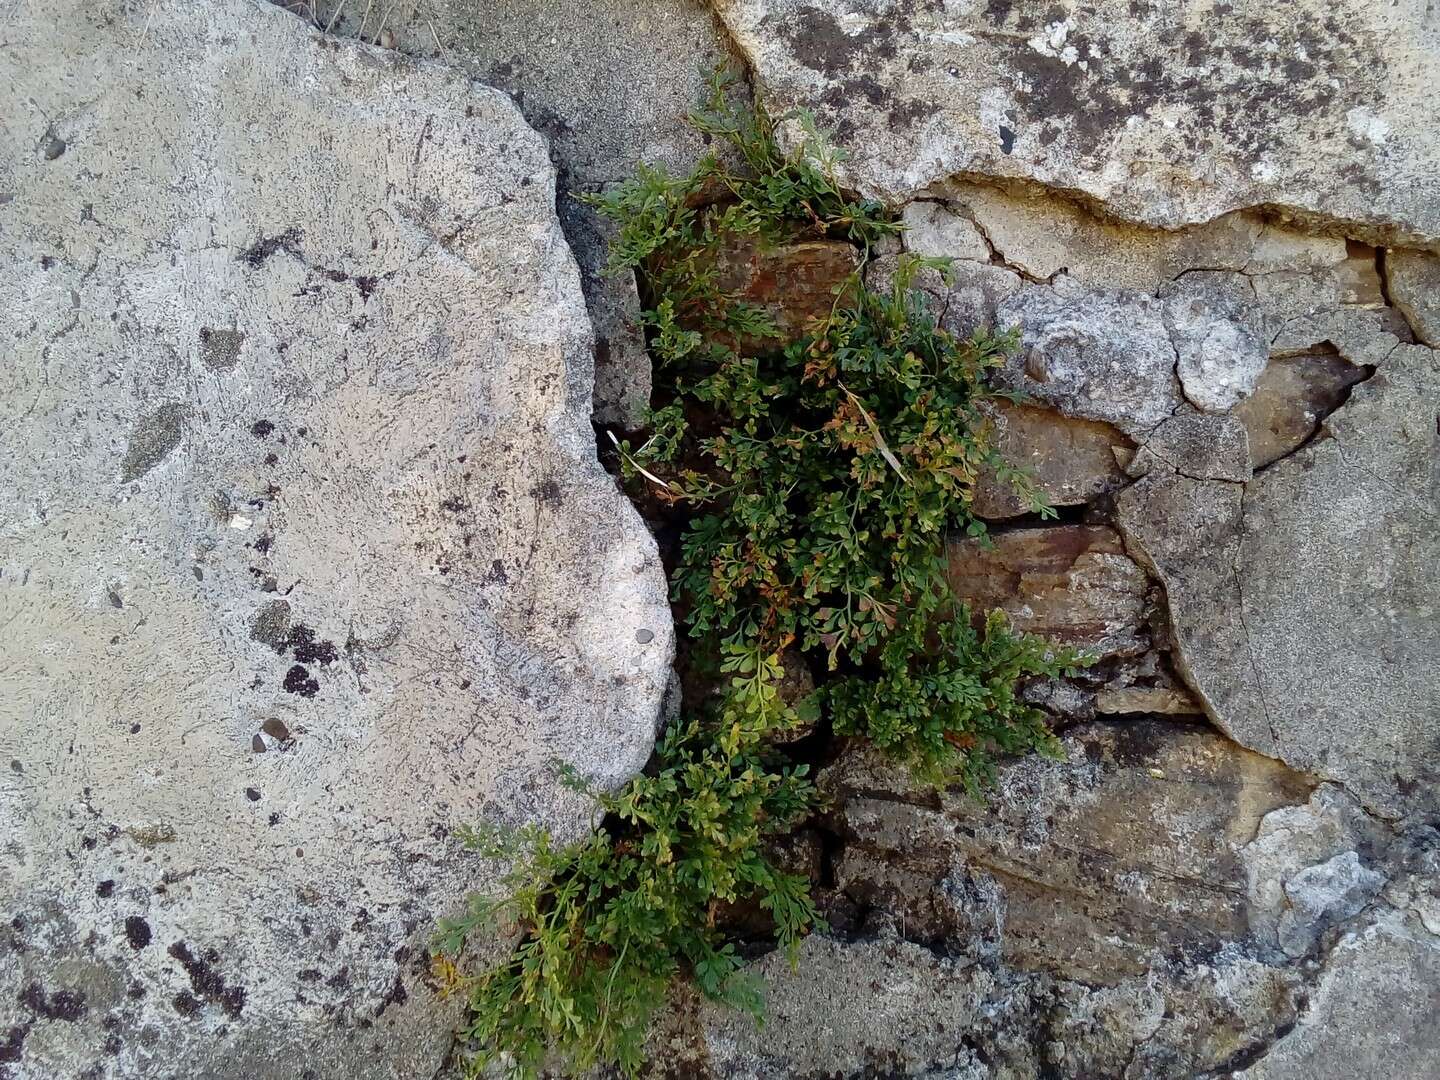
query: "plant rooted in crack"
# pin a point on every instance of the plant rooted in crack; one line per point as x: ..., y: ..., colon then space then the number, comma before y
x: 609, y: 922
x: 824, y: 475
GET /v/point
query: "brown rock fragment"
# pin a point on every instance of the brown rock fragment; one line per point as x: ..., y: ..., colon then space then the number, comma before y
x: 1293, y: 395
x: 1071, y: 460
x: 794, y: 283
x: 1162, y: 700
x: 1072, y: 583
x: 1357, y: 278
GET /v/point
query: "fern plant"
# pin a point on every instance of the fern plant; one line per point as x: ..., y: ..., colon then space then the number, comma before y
x: 823, y: 475
x: 608, y: 923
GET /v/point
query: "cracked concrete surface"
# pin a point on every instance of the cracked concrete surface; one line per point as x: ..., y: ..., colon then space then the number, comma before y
x: 1331, y: 555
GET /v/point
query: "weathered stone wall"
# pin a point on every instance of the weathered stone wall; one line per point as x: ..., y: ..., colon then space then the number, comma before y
x: 608, y: 83
x: 1167, y: 114
x: 1233, y: 871
x: 305, y: 555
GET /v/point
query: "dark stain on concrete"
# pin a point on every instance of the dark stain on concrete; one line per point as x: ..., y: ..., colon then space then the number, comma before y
x: 1239, y: 99
x: 65, y: 1005
x: 819, y: 42
x: 265, y: 246
x: 206, y: 983
x: 299, y: 681
x: 548, y: 492
x: 308, y: 648
x: 908, y: 114
x: 153, y: 438
x: 271, y: 625
x: 12, y: 1045
x: 396, y: 996
x: 220, y: 349
x: 1236, y: 96
x: 137, y: 932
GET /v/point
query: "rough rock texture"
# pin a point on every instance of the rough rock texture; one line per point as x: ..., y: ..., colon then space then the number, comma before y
x: 1413, y: 278
x: 1040, y: 234
x: 1359, y: 1022
x: 608, y: 82
x: 1198, y: 446
x: 1158, y: 700
x: 1299, y: 325
x: 1129, y: 358
x: 1218, y: 358
x: 305, y: 557
x: 1282, y: 432
x: 1292, y: 396
x: 1168, y: 114
x: 1150, y: 866
x: 1072, y: 583
x: 1323, y: 895
x: 1071, y: 461
x: 1300, y: 601
x: 1099, y: 354
x: 888, y: 1007
x: 1115, y: 913
x: 933, y: 229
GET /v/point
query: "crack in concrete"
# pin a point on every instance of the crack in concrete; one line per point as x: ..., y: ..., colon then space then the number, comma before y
x: 1400, y: 494
x: 1175, y: 467
x: 1245, y: 626
x: 997, y: 257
